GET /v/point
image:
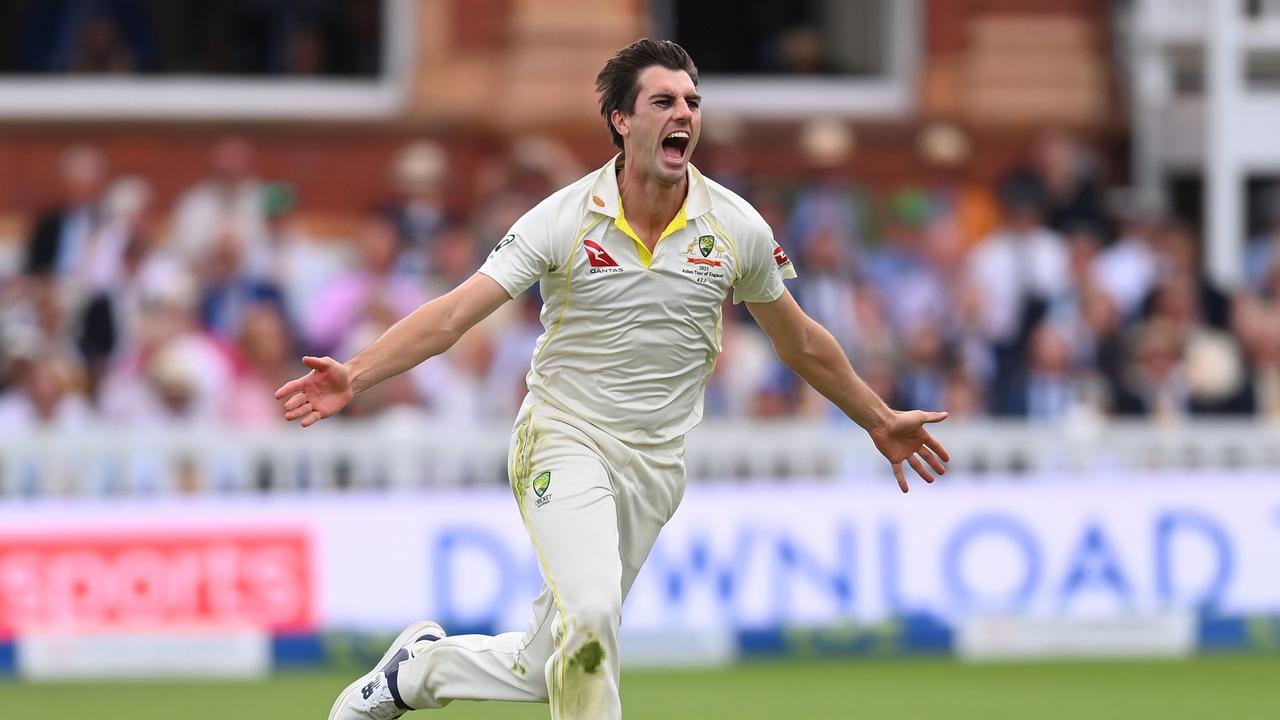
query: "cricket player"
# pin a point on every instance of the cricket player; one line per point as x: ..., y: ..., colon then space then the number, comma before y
x: 634, y: 263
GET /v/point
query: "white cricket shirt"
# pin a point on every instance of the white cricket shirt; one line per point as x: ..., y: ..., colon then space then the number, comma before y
x: 630, y: 339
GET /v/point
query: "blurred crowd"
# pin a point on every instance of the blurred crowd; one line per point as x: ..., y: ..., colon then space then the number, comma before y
x: 1040, y: 296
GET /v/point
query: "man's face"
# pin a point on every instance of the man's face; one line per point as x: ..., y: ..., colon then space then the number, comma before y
x: 660, y: 135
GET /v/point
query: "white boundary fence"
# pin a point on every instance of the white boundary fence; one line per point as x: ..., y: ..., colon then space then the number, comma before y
x: 409, y: 454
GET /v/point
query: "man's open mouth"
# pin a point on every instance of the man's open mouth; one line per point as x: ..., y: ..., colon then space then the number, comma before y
x: 675, y: 144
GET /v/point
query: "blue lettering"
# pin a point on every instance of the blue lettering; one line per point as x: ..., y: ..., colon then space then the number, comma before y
x: 449, y: 543
x: 698, y: 567
x: 1188, y: 521
x: 838, y: 581
x: 962, y: 594
x: 1094, y: 564
x: 890, y: 562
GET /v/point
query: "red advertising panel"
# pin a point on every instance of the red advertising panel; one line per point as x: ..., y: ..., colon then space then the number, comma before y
x: 101, y: 580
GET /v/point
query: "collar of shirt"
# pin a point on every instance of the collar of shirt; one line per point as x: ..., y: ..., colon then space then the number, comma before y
x: 606, y: 199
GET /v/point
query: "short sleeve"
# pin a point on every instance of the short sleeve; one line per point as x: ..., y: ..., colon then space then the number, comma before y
x: 522, y: 256
x: 764, y: 266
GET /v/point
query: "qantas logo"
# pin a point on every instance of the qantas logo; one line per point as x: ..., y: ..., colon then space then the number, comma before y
x: 600, y: 260
x: 597, y: 255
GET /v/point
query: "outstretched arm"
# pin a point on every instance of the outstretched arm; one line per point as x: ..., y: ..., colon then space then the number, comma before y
x: 808, y: 349
x: 426, y: 332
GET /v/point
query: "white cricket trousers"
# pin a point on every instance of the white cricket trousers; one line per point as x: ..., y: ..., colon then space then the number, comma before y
x: 593, y: 506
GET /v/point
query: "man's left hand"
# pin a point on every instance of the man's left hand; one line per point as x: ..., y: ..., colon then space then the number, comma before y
x: 903, y: 439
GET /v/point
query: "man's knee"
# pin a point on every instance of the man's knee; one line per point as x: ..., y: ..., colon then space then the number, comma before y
x: 597, y: 618
x: 585, y: 621
x: 582, y: 674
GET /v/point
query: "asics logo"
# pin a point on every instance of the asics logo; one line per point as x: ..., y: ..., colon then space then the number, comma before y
x: 597, y: 255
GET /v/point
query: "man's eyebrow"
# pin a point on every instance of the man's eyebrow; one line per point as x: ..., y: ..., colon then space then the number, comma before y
x: 666, y: 95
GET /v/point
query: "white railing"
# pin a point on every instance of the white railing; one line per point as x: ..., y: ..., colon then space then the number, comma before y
x: 1187, y: 22
x: 1172, y: 21
x: 398, y: 454
x: 1223, y: 123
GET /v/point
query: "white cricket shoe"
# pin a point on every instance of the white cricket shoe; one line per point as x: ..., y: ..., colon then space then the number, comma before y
x: 375, y: 696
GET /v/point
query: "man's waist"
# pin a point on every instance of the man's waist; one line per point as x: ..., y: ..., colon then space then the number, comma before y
x: 638, y: 436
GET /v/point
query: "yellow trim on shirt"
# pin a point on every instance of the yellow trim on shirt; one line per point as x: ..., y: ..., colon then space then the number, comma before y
x: 733, y: 247
x: 564, y: 307
x: 679, y: 222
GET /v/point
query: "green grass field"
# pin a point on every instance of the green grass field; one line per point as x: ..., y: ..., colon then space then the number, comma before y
x: 1218, y: 687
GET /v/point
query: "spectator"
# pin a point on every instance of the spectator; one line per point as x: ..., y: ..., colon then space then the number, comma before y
x: 826, y: 293
x: 1263, y: 253
x: 965, y: 332
x: 512, y: 184
x: 454, y: 258
x: 776, y: 397
x: 103, y: 275
x: 418, y: 174
x: 87, y: 36
x: 1154, y: 383
x: 1049, y: 390
x: 1127, y: 270
x: 876, y: 338
x: 746, y: 359
x: 47, y: 392
x: 301, y: 267
x: 266, y: 358
x: 452, y: 387
x: 230, y: 196
x: 961, y: 396
x: 923, y: 379
x: 1216, y: 374
x: 173, y: 373
x: 367, y: 299
x: 227, y: 291
x: 901, y: 271
x: 1017, y: 273
x: 100, y: 47
x: 1071, y: 179
x: 964, y: 209
x: 1258, y: 326
x: 799, y: 50
x: 39, y: 324
x: 1180, y: 264
x: 304, y: 50
x: 1068, y: 309
x: 830, y: 205
x: 1098, y: 345
x: 58, y: 243
x: 1270, y: 286
x: 114, y: 325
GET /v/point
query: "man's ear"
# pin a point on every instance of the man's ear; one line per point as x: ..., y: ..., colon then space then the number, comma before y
x: 621, y: 122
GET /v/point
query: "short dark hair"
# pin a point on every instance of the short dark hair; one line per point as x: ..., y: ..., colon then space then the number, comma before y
x: 618, y: 83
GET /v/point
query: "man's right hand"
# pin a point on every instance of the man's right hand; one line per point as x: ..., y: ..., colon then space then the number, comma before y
x: 318, y: 394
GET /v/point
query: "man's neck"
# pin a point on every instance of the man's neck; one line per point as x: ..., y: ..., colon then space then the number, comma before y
x: 649, y: 204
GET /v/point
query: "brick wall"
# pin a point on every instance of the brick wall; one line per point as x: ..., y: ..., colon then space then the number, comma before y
x: 1004, y: 62
x: 490, y: 69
